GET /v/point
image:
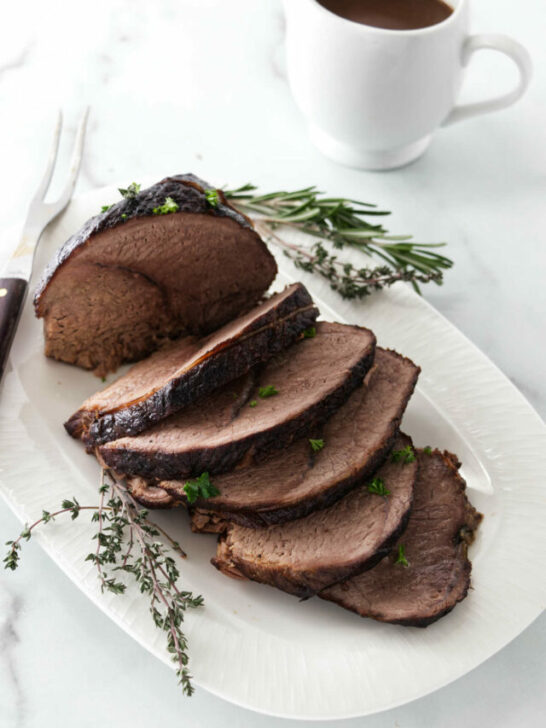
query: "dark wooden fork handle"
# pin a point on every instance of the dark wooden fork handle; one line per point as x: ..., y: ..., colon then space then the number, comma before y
x: 12, y: 297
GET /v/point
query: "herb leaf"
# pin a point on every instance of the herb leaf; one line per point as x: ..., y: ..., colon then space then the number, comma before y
x: 130, y: 192
x: 128, y: 542
x: 340, y: 223
x: 201, y: 487
x: 427, y: 450
x: 252, y: 403
x: 167, y: 207
x: 316, y: 445
x: 212, y: 197
x: 405, y: 456
x: 268, y: 391
x: 377, y: 487
x: 401, y: 557
x: 310, y: 333
x: 105, y: 208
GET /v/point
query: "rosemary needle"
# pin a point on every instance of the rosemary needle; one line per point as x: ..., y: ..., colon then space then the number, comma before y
x: 339, y: 223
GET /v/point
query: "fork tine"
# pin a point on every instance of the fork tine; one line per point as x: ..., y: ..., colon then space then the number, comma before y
x: 44, y: 184
x: 75, y: 163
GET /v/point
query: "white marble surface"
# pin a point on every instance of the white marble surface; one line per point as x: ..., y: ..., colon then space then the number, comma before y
x: 198, y: 85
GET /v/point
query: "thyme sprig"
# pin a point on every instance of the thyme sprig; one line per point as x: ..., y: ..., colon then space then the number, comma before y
x: 129, y: 542
x: 340, y: 223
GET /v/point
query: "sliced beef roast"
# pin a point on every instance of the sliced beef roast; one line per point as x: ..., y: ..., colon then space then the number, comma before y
x: 437, y: 575
x: 292, y: 483
x: 304, y: 556
x: 299, y: 388
x: 157, y: 264
x: 191, y: 368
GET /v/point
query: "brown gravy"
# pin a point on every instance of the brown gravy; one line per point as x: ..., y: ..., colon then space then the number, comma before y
x: 391, y: 14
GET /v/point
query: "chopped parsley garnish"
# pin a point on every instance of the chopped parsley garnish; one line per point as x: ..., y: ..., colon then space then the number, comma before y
x: 124, y: 216
x: 200, y: 488
x: 103, y: 379
x: 269, y: 391
x: 377, y: 487
x: 252, y: 403
x: 167, y: 207
x: 405, y: 456
x: 212, y: 197
x: 316, y: 445
x: 427, y: 450
x: 310, y: 333
x: 105, y: 208
x: 401, y: 558
x: 130, y: 192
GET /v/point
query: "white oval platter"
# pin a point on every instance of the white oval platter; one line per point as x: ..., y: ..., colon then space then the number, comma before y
x: 263, y: 649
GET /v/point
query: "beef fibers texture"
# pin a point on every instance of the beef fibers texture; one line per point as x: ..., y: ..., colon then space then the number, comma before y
x: 437, y: 574
x: 304, y: 556
x: 191, y: 368
x: 292, y: 483
x: 263, y: 411
x: 133, y: 277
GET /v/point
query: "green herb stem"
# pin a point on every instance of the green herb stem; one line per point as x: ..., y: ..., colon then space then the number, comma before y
x: 340, y: 222
x: 122, y: 525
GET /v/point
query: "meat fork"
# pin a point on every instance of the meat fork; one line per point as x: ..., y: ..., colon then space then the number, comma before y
x: 17, y: 272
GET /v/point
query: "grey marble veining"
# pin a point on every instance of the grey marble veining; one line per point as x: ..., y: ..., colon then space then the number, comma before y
x: 10, y: 610
x: 199, y: 85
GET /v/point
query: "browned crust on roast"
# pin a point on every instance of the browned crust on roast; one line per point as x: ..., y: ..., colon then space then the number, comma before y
x: 222, y: 458
x: 187, y: 190
x: 260, y: 518
x: 271, y: 513
x: 227, y: 361
x: 150, y: 496
x: 206, y: 522
x: 282, y: 578
x: 465, y: 534
x: 225, y: 565
x: 145, y: 313
x: 300, y: 583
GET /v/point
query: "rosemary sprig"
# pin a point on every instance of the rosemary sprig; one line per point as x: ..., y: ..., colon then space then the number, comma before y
x: 340, y: 223
x: 128, y: 541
